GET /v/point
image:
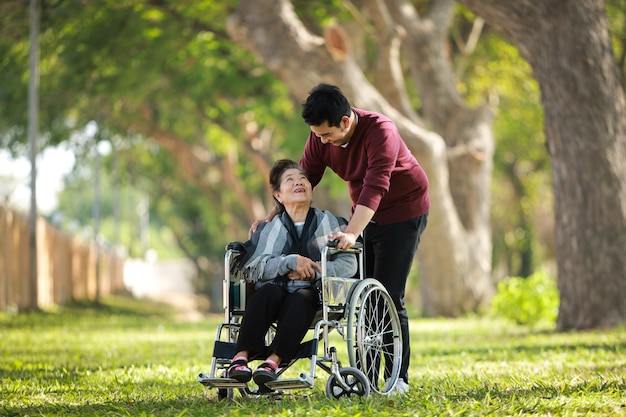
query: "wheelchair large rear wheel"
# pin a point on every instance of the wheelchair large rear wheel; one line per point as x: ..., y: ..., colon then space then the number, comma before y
x: 373, y: 335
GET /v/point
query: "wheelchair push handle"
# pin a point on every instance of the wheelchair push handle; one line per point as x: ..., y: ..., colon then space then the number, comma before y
x: 334, y: 243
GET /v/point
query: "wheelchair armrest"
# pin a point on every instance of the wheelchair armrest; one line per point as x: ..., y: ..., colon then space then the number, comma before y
x: 236, y: 247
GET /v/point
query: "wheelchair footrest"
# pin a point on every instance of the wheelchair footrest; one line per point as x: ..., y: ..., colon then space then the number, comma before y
x: 295, y: 383
x: 220, y: 382
x: 304, y: 381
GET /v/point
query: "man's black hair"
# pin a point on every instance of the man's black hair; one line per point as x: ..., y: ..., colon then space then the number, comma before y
x: 326, y: 103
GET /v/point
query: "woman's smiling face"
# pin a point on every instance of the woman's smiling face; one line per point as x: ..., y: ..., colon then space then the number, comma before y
x: 295, y: 188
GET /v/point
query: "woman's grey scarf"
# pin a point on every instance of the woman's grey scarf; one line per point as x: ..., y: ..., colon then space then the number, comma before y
x: 278, y: 237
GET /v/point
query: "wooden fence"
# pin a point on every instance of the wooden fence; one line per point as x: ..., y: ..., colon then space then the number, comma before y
x: 68, y: 268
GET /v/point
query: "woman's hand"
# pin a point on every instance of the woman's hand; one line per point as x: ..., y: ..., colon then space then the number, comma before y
x: 305, y: 269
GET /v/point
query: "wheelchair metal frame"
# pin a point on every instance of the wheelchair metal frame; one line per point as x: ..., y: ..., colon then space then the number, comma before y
x: 359, y: 309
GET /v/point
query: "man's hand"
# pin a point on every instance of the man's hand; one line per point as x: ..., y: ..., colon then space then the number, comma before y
x: 273, y: 212
x: 305, y: 269
x: 255, y: 226
x: 344, y: 240
x: 359, y: 220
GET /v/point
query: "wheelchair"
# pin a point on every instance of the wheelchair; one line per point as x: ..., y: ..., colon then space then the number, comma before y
x: 358, y: 309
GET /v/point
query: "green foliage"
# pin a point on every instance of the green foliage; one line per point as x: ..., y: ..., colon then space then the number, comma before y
x: 616, y: 15
x: 137, y: 69
x: 527, y: 300
x: 130, y: 358
x: 154, y: 67
x: 521, y: 188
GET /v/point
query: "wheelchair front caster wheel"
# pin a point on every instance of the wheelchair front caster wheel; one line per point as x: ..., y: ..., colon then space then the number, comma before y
x: 357, y: 384
x: 225, y: 394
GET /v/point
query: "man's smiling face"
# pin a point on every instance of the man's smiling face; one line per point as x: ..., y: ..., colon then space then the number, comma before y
x: 337, y: 136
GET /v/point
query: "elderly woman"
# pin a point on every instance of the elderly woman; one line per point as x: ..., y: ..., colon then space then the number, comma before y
x: 282, y: 258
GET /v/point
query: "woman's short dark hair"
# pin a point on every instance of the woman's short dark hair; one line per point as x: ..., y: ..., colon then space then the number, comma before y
x: 279, y: 168
x: 326, y: 103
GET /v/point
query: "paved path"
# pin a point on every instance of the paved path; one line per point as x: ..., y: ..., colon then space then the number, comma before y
x: 169, y: 282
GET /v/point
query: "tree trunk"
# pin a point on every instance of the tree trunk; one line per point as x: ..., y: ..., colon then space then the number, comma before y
x: 455, y: 253
x: 567, y: 44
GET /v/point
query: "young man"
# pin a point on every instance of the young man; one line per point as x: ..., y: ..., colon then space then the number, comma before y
x: 388, y: 189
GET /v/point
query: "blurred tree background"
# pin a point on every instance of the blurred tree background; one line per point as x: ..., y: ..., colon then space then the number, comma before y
x: 194, y: 121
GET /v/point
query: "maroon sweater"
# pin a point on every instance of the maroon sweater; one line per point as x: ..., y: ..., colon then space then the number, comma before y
x: 381, y: 172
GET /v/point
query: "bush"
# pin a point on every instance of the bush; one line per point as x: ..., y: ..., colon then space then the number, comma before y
x: 527, y: 300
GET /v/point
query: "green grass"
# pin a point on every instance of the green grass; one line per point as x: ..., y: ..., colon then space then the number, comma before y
x: 131, y: 358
